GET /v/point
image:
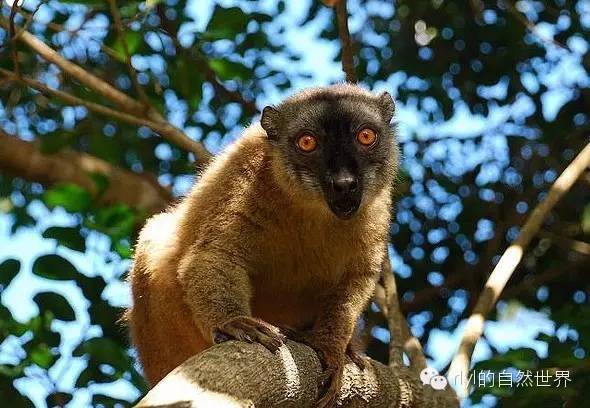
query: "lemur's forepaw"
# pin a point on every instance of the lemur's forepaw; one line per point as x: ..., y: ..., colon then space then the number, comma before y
x: 251, y: 330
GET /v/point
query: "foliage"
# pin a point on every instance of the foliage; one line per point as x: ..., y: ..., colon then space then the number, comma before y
x: 490, y: 113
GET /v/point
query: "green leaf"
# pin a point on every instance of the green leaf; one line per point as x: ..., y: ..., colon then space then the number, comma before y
x: 226, y: 23
x: 103, y: 350
x: 11, y: 397
x: 58, y: 399
x: 54, y: 267
x: 101, y: 181
x: 67, y: 236
x: 92, y: 374
x: 522, y: 359
x: 229, y: 70
x: 56, y: 141
x: 107, y: 317
x: 123, y: 248
x: 9, y: 326
x: 133, y: 39
x: 71, y: 197
x: 12, y: 371
x: 107, y: 402
x: 8, y: 270
x: 91, y: 287
x: 187, y: 81
x: 56, y: 304
x: 586, y: 220
x: 42, y: 356
x: 117, y: 221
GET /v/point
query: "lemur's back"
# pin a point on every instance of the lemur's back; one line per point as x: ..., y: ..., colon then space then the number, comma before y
x: 159, y: 312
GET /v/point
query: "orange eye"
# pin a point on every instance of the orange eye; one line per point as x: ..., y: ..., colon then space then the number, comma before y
x: 367, y: 137
x: 307, y: 143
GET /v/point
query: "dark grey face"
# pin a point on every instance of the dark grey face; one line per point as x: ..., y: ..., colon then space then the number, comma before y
x: 335, y: 141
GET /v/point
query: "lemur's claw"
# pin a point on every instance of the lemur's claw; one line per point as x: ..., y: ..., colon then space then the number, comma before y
x: 251, y: 330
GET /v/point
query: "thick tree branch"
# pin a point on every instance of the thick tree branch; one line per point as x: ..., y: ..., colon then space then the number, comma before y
x: 24, y: 159
x: 508, y: 263
x: 238, y: 374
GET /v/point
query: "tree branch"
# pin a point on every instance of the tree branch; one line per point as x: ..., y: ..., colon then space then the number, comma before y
x: 234, y: 96
x: 165, y: 129
x: 531, y: 27
x: 238, y: 374
x: 80, y: 74
x: 344, y: 33
x: 531, y: 283
x: 402, y: 339
x: 128, y: 104
x: 12, y: 35
x: 58, y: 28
x: 123, y: 39
x: 567, y: 243
x: 24, y: 159
x: 508, y: 263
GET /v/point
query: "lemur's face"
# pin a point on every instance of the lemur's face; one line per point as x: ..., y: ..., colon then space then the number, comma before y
x: 335, y: 143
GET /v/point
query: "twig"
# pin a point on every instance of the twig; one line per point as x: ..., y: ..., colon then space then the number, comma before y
x: 12, y: 35
x: 123, y: 39
x: 567, y: 243
x: 80, y: 74
x: 530, y: 283
x: 234, y: 96
x: 343, y: 32
x: 128, y: 104
x: 165, y: 129
x: 396, y: 345
x: 531, y: 27
x: 477, y: 7
x: 508, y: 263
x: 58, y: 28
x: 387, y: 299
x: 29, y: 19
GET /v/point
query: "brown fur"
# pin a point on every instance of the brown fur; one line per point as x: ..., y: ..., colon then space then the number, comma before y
x: 245, y: 242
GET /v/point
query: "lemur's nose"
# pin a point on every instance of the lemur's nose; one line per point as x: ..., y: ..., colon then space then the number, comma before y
x: 344, y: 182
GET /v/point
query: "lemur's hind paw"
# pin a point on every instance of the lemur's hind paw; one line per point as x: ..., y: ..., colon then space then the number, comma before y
x: 356, y: 357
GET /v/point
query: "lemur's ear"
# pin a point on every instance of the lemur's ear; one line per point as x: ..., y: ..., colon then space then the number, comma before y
x: 387, y: 106
x: 270, y: 122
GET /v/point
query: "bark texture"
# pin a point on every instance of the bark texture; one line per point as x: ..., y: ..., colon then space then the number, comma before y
x: 237, y: 374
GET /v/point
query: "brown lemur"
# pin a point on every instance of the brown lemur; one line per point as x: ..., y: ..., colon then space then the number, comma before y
x: 287, y: 228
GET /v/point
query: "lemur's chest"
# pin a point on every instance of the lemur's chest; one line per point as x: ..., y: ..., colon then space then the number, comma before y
x: 309, y: 256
